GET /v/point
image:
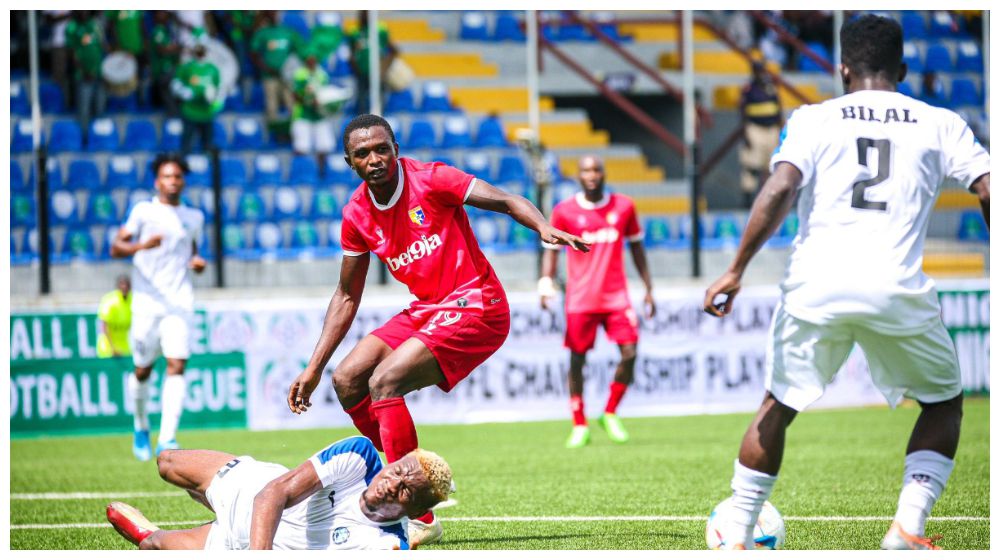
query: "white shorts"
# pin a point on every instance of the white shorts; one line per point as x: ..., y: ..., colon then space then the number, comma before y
x: 803, y: 358
x: 231, y: 494
x: 313, y: 137
x: 151, y: 335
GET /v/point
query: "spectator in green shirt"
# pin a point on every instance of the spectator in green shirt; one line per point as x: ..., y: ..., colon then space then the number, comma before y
x: 165, y: 57
x: 312, y: 129
x: 270, y: 47
x: 126, y: 35
x: 85, y: 40
x: 115, y: 316
x: 358, y: 40
x: 198, y: 86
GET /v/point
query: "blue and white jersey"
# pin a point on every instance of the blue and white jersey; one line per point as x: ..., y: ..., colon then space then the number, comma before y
x: 332, y: 517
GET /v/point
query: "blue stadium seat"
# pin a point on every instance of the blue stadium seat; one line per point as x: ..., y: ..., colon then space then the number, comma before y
x: 170, y: 139
x: 474, y: 27
x: 972, y: 227
x: 268, y: 239
x: 324, y: 204
x: 338, y: 172
x: 397, y: 129
x: 83, y: 174
x: 22, y: 209
x: 199, y: 171
x: 478, y: 164
x: 303, y: 171
x: 256, y: 101
x: 911, y: 56
x: 220, y: 135
x: 128, y: 103
x: 122, y: 173
x: 914, y: 26
x: 786, y: 232
x: 234, y: 240
x: 21, y: 141
x: 421, y: 135
x: 266, y: 170
x: 457, y: 132
x: 520, y: 238
x: 233, y: 172
x: 63, y: 207
x: 287, y: 202
x: 964, y: 92
x: 443, y: 157
x: 247, y: 134
x: 107, y: 239
x: 340, y: 66
x: 400, y: 101
x: 53, y: 172
x: 297, y: 21
x: 564, y: 190
x: 970, y: 57
x: 65, y: 136
x: 905, y: 88
x: 938, y: 59
x: 434, y: 97
x: 140, y: 135
x: 936, y: 95
x: 50, y: 97
x: 684, y: 230
x: 234, y: 101
x: 489, y: 231
x: 103, y: 135
x: 507, y: 27
x: 304, y: 235
x: 943, y: 24
x: 102, y: 209
x: 19, y: 104
x: 727, y: 230
x: 78, y: 244
x: 512, y: 168
x: 491, y: 133
x: 250, y: 207
x: 17, y: 177
x: 807, y: 64
x: 333, y: 234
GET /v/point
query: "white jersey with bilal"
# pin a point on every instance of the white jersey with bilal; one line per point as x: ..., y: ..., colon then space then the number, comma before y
x: 161, y: 279
x: 332, y: 518
x: 872, y: 164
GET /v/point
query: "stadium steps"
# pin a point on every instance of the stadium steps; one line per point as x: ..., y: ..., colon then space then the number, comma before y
x: 956, y: 199
x: 619, y: 169
x: 727, y: 97
x: 496, y: 99
x: 557, y: 135
x: 660, y: 32
x: 967, y: 265
x: 405, y: 29
x: 444, y: 65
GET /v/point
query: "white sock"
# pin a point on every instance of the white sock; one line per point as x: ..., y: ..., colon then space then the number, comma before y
x: 172, y: 404
x: 924, y: 476
x: 138, y: 391
x: 750, y: 490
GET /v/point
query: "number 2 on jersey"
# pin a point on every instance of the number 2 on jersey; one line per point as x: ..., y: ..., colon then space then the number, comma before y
x: 883, y: 148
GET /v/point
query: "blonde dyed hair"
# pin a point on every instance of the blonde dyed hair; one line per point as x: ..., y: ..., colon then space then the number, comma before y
x: 437, y: 472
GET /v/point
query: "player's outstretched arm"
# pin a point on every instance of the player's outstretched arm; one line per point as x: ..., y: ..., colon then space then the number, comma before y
x: 339, y: 316
x: 280, y: 494
x: 769, y: 209
x: 642, y: 266
x: 981, y: 187
x: 124, y: 247
x: 488, y: 197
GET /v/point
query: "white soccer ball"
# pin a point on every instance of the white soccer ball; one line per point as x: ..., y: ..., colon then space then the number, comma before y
x: 768, y: 534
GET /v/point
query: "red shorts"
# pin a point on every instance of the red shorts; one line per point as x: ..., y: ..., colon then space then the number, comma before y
x: 581, y: 328
x: 459, y: 341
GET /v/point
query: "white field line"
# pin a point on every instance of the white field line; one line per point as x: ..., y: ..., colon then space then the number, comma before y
x: 515, y: 519
x: 94, y: 495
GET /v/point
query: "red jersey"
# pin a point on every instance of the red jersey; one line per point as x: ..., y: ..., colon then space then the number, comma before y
x: 423, y: 235
x: 595, y: 281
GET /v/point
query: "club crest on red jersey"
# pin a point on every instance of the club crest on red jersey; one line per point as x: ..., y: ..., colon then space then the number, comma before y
x: 417, y: 215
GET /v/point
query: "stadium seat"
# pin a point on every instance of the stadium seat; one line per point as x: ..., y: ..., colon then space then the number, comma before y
x: 488, y: 231
x: 333, y: 234
x: 266, y: 170
x: 338, y: 172
x: 247, y: 134
x: 507, y: 27
x: 520, y: 238
x: 250, y: 208
x: 268, y: 238
x: 234, y: 101
x: 443, y: 157
x: 199, y: 171
x: 457, y: 132
x: 303, y: 171
x: 786, y: 232
x: 972, y: 226
x: 970, y: 57
x: 233, y: 239
x: 19, y: 103
x: 297, y: 21
x: 421, y: 135
x: 656, y: 232
x: 220, y: 136
x: 936, y: 96
x: 490, y: 133
x: 22, y: 209
x: 287, y: 202
x: 63, y: 207
x: 434, y: 97
x: 964, y: 92
x: 914, y: 26
x: 943, y: 24
x: 938, y: 59
x: 17, y: 178
x: 304, y: 235
x: 512, y: 168
x: 103, y: 135
x: 684, y: 229
x: 905, y: 88
x: 51, y: 99
x: 324, y: 204
x: 256, y: 101
x: 65, y: 136
x: 21, y: 141
x: 397, y: 129
x: 53, y: 174
x: 474, y: 27
x: 478, y: 164
x: 400, y: 101
x: 807, y: 64
x: 83, y: 174
x: 233, y: 172
x: 102, y: 209
x: 341, y: 65
x: 128, y: 103
x: 911, y: 56
x: 78, y: 244
x: 140, y: 135
x: 170, y: 140
x: 727, y: 230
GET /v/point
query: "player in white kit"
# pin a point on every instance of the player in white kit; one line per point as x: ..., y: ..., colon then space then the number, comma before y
x: 867, y: 168
x: 339, y: 499
x: 161, y: 235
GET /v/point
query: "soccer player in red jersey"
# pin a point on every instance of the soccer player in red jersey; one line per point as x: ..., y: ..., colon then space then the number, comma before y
x: 411, y: 215
x: 596, y: 290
